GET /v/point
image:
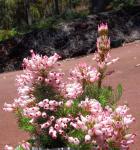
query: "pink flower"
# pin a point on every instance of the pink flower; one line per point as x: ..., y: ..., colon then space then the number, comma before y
x: 129, y: 136
x: 8, y: 147
x: 121, y: 110
x: 87, y: 138
x: 46, y: 124
x: 103, y: 44
x: 102, y: 124
x: 53, y: 59
x: 83, y: 72
x: 91, y: 105
x: 38, y: 62
x: 69, y: 103
x: 73, y: 140
x: 44, y: 115
x: 51, y: 105
x: 8, y: 107
x: 52, y: 132
x: 25, y: 145
x: 73, y: 90
x: 113, y: 61
x: 32, y: 112
x: 103, y: 28
x: 128, y: 119
x: 76, y: 141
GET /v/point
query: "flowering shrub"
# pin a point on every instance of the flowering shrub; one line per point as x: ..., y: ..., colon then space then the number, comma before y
x: 78, y: 112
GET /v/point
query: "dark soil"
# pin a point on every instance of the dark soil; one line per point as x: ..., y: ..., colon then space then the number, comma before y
x: 71, y: 39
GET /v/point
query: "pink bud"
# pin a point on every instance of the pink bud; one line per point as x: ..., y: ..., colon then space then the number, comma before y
x: 52, y: 118
x: 44, y: 115
x: 69, y: 103
x: 87, y: 138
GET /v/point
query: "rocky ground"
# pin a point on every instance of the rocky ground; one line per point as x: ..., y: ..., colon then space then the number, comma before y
x: 74, y: 38
x: 126, y: 71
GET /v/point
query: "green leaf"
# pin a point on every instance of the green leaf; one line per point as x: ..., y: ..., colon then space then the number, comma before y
x: 102, y: 100
x: 25, y: 124
x: 19, y: 148
x: 119, y: 90
x: 34, y: 11
x: 10, y: 3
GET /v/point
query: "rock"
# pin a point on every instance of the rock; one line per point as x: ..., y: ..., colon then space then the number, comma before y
x: 71, y: 39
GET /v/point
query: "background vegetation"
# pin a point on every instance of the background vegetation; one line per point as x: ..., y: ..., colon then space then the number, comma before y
x: 21, y: 16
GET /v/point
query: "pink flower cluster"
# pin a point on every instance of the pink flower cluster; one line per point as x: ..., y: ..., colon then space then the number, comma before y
x: 101, y: 127
x: 32, y: 112
x: 37, y: 71
x: 56, y: 126
x: 103, y: 29
x: 83, y: 72
x: 55, y: 79
x: 39, y: 63
x: 103, y: 48
x: 23, y: 145
x: 49, y: 104
x: 72, y: 90
x: 104, y: 126
x: 78, y: 76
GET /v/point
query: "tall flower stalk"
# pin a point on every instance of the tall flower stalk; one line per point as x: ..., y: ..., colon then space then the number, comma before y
x: 103, y: 48
x: 102, y: 55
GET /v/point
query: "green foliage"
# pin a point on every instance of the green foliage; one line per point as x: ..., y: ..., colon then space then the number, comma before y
x: 6, y: 34
x: 50, y: 22
x: 35, y: 12
x: 42, y: 92
x: 19, y: 148
x: 10, y: 3
x: 64, y: 111
x: 81, y: 146
x: 25, y: 15
x: 105, y: 95
x: 80, y: 135
x: 15, y: 13
x: 75, y: 2
x: 70, y: 15
x: 25, y: 125
x: 118, y: 4
x: 47, y: 141
x: 118, y: 92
